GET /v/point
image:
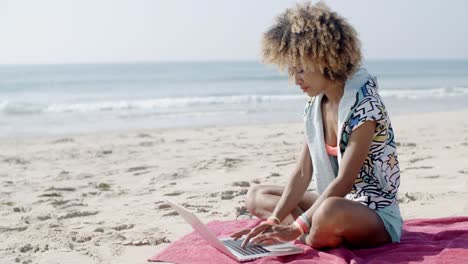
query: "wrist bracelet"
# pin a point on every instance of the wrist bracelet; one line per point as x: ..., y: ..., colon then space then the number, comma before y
x: 303, y: 223
x: 298, y: 227
x: 273, y: 219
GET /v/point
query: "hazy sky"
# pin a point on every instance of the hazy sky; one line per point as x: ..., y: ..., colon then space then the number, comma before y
x: 66, y: 31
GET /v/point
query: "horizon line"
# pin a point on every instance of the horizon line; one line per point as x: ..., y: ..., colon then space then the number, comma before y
x: 202, y: 61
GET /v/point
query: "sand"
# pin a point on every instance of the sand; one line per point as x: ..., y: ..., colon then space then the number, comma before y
x: 98, y: 198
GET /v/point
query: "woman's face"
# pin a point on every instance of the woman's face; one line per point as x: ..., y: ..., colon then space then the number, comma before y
x: 311, y: 81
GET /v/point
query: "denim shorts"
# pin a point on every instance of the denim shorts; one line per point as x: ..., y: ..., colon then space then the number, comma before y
x: 393, y: 222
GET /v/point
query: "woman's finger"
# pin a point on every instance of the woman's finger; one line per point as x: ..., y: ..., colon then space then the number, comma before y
x: 260, y: 228
x: 266, y: 239
x: 257, y: 230
x: 260, y: 238
x: 240, y: 233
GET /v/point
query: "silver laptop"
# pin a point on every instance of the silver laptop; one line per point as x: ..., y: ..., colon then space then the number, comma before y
x: 232, y: 247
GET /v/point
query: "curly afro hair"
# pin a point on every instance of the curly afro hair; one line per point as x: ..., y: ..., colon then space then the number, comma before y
x: 313, y: 37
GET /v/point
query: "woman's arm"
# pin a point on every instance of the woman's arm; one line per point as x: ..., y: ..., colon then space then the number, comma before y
x: 353, y: 159
x: 296, y: 186
x: 292, y: 195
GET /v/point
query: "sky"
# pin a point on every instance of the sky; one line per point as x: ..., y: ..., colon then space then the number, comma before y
x: 95, y: 31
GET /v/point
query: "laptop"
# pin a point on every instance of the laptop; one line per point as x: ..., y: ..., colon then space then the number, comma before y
x: 232, y: 247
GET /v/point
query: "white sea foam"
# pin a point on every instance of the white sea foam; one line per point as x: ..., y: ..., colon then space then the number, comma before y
x: 161, y: 104
x: 166, y: 104
x: 429, y: 93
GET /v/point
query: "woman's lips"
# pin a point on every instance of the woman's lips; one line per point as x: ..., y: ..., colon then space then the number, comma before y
x: 304, y: 89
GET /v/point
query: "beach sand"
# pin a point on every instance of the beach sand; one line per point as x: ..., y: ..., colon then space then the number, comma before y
x: 98, y: 198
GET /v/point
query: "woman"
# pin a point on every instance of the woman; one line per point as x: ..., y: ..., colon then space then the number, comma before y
x: 349, y: 147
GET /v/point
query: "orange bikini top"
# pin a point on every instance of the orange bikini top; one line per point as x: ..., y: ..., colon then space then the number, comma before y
x: 332, y: 150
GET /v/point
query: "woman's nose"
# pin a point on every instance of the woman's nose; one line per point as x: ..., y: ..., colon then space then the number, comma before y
x: 298, y: 79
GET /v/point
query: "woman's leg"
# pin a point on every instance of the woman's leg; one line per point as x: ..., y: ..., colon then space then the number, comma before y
x: 340, y: 221
x: 261, y: 200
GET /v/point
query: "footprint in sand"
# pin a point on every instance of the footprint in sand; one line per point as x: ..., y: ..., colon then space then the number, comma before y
x: 147, y: 144
x: 415, y: 196
x: 103, y: 186
x: 204, y: 164
x: 80, y: 237
x: 274, y: 174
x: 406, y: 144
x: 84, y: 176
x: 171, y: 214
x: 241, y: 184
x: 286, y: 163
x: 99, y: 230
x: 143, y: 135
x: 275, y: 135
x: 56, y: 202
x: 231, y: 162
x: 51, y: 195
x: 77, y: 214
x: 139, y: 168
x: 164, y: 206
x: 147, y: 241
x: 419, y: 167
x: 172, y: 176
x: 73, y: 205
x: 227, y: 195
x: 63, y: 140
x: 432, y: 177
x: 199, y: 208
x: 123, y: 227
x: 242, y: 192
x: 43, y: 217
x: 256, y: 181
x: 141, y: 173
x: 173, y: 194
x: 15, y: 160
x: 413, y: 160
x: 61, y: 189
x: 106, y: 152
x: 25, y: 248
x: 20, y: 210
x: 243, y: 213
x: 10, y: 229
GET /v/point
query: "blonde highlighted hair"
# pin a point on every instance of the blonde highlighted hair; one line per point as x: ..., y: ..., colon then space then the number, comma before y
x: 313, y: 36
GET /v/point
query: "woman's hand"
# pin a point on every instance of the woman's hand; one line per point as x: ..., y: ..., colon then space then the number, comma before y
x: 252, y: 232
x: 278, y: 234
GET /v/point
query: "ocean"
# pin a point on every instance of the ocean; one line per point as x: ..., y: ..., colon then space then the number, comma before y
x: 80, y: 98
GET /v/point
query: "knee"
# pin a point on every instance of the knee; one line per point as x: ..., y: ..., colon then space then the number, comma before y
x: 329, y: 213
x: 251, y: 198
x: 322, y: 240
x: 327, y: 225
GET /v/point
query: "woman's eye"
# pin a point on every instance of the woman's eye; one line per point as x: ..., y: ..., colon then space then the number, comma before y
x: 300, y: 71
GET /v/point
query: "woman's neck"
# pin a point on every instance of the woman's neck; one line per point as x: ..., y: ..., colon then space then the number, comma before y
x: 334, y: 92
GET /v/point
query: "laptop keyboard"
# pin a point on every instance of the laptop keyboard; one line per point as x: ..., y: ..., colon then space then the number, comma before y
x: 250, y: 249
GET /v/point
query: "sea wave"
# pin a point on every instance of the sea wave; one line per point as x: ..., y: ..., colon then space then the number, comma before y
x: 18, y: 108
x: 182, y: 104
x: 431, y: 93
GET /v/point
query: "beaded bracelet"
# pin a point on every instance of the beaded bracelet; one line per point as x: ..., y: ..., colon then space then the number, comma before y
x: 298, y: 227
x: 273, y: 220
x: 302, y: 223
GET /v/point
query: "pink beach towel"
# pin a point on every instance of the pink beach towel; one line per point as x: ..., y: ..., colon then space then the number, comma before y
x: 443, y: 240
